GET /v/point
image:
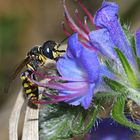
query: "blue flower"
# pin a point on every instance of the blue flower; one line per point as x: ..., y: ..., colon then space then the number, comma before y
x: 81, y: 72
x: 110, y: 35
x: 110, y: 32
x: 83, y: 64
x: 79, y: 68
x: 109, y: 130
x: 79, y: 63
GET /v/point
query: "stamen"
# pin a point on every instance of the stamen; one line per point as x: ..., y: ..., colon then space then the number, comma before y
x: 80, y: 22
x: 56, y: 77
x: 47, y: 102
x: 64, y: 86
x: 64, y: 29
x: 72, y: 24
x: 74, y: 29
x: 62, y: 98
x: 85, y: 23
x: 87, y: 46
x: 86, y: 11
x: 51, y: 96
x: 55, y: 85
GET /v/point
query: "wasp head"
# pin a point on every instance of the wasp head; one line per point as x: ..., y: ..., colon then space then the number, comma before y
x: 49, y: 49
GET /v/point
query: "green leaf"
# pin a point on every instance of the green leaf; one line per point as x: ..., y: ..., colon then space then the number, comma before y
x: 128, y: 70
x: 105, y: 95
x: 87, y: 120
x: 138, y: 63
x: 116, y: 86
x: 132, y: 40
x: 58, y: 122
x: 133, y: 43
x: 119, y: 116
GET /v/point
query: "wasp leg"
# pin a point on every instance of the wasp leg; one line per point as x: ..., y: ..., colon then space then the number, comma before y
x: 61, y: 51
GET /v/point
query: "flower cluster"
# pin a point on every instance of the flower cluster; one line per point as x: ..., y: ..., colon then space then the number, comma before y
x: 83, y: 65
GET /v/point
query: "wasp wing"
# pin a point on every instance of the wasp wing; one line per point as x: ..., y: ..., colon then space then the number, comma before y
x: 19, y: 68
x: 16, y: 72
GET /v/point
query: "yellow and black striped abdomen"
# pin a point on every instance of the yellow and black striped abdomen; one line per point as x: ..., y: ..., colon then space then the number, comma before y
x: 30, y: 89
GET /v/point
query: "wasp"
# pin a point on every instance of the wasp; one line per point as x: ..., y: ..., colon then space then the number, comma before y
x: 36, y: 58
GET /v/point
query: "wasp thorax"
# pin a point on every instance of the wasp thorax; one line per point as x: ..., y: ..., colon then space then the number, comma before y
x: 33, y: 53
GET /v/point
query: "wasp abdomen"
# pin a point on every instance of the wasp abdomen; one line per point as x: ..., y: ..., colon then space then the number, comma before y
x: 30, y: 89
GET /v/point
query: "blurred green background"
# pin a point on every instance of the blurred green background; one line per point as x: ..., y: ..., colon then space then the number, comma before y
x: 25, y: 23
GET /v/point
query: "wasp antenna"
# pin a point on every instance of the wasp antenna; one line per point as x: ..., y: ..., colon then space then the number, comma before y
x: 62, y: 41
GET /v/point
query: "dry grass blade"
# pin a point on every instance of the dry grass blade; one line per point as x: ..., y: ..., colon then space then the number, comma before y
x: 30, y: 128
x: 14, y: 118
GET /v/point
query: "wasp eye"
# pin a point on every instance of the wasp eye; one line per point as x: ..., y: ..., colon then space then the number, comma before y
x: 48, y: 48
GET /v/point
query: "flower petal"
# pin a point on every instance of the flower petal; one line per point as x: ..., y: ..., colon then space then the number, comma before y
x: 74, y: 46
x: 100, y: 84
x: 107, y: 13
x: 67, y: 67
x: 138, y: 42
x: 76, y: 101
x: 86, y: 94
x: 86, y: 59
x: 86, y: 101
x: 101, y: 40
x: 90, y: 64
x: 106, y: 17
